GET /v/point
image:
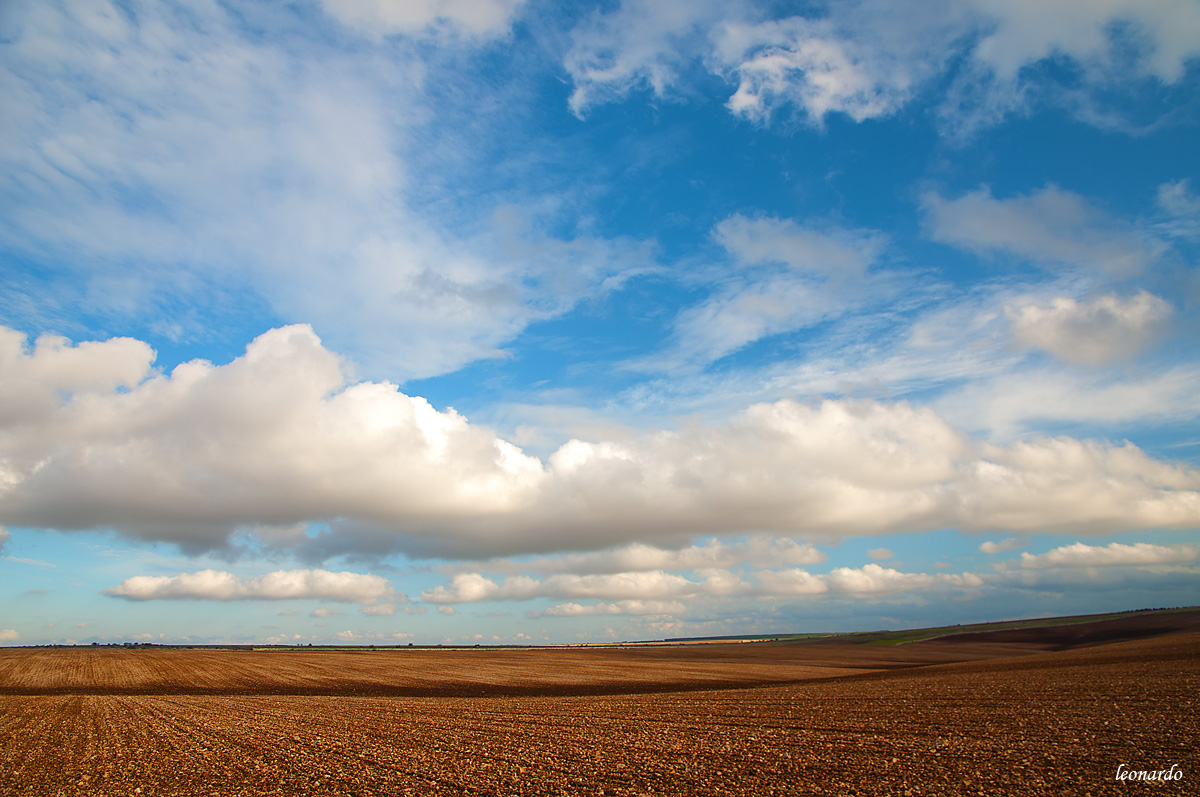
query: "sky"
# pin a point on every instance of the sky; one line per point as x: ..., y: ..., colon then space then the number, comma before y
x: 518, y: 321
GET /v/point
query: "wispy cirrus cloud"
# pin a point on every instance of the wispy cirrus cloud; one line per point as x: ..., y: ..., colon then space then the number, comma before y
x: 786, y: 277
x: 480, y: 18
x: 280, y: 176
x: 626, y: 607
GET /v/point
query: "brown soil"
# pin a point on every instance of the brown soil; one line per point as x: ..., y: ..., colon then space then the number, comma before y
x: 947, y: 716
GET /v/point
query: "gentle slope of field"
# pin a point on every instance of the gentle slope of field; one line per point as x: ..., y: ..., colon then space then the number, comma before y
x: 943, y: 716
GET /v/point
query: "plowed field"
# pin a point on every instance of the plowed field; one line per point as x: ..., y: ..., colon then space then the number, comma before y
x: 939, y: 717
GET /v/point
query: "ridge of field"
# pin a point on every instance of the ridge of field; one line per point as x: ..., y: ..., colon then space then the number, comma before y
x: 900, y: 636
x: 451, y: 672
x: 551, y: 671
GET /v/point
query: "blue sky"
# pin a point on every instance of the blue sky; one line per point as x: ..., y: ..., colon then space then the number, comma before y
x: 506, y: 321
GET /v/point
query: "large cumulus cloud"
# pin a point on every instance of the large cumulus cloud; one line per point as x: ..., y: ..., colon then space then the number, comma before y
x: 280, y: 438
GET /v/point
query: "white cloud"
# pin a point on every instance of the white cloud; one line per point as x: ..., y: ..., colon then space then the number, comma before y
x: 1008, y: 404
x: 868, y: 58
x: 218, y: 585
x: 370, y: 637
x: 756, y: 551
x: 644, y: 43
x: 868, y: 580
x: 864, y: 61
x: 261, y: 429
x: 1113, y: 555
x: 278, y: 437
x: 447, y: 610
x: 484, y: 18
x: 875, y: 579
x: 8, y: 635
x: 1072, y: 485
x: 5, y: 535
x: 475, y: 587
x: 879, y: 554
x: 1051, y: 228
x: 743, y: 313
x: 791, y: 277
x: 1026, y: 32
x: 627, y: 607
x: 1182, y: 208
x: 831, y: 252
x: 1008, y: 544
x: 1093, y: 332
x: 323, y: 612
x: 152, y: 159
x: 379, y: 610
x: 647, y: 593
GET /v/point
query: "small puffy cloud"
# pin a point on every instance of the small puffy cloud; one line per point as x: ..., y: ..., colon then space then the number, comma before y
x: 1009, y: 544
x: 463, y: 588
x: 627, y: 607
x: 1051, y: 228
x: 323, y: 612
x: 874, y: 579
x: 1113, y: 555
x: 1093, y: 332
x: 879, y: 554
x: 8, y: 635
x: 447, y: 610
x: 482, y: 18
x: 217, y: 585
x: 379, y: 610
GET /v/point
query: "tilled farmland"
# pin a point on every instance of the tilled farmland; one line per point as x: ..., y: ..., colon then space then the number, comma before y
x: 928, y: 718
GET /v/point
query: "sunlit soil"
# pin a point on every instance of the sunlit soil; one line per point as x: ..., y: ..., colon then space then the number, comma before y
x: 786, y: 719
